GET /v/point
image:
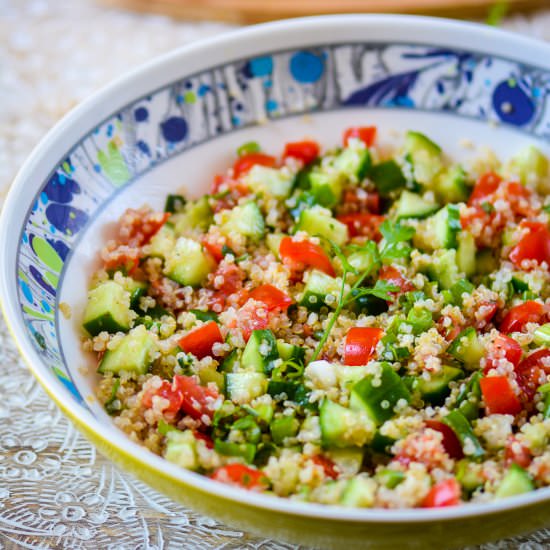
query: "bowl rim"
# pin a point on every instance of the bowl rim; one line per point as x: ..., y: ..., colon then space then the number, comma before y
x: 118, y: 94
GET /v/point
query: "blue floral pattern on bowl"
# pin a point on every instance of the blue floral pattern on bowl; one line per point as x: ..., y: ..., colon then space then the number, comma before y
x: 219, y: 100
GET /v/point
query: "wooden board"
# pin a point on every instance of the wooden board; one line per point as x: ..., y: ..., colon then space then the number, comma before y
x: 254, y: 11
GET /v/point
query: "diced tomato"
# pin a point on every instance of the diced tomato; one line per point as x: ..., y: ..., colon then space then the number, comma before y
x: 213, y: 247
x: 251, y: 318
x: 532, y: 372
x: 328, y: 466
x: 367, y: 134
x: 363, y: 223
x: 241, y: 476
x: 520, y: 315
x: 484, y: 314
x: 534, y: 245
x: 361, y: 344
x: 474, y: 213
x: 517, y: 453
x: 306, y: 151
x: 199, y: 342
x: 166, y: 391
x: 498, y: 395
x: 206, y: 438
x: 197, y: 400
x: 231, y: 277
x: 299, y: 255
x: 450, y: 441
x: 394, y: 277
x: 503, y: 347
x: 271, y: 296
x: 485, y: 186
x: 444, y: 493
x: 137, y: 227
x: 123, y: 257
x: 246, y: 162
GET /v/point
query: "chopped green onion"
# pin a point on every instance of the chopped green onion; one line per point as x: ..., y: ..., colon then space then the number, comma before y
x: 460, y: 425
x: 243, y: 450
x: 541, y: 337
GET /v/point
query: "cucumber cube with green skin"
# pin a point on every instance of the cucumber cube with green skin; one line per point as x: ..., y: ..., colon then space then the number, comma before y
x: 133, y: 353
x: 244, y: 387
x: 436, y: 388
x: 467, y: 348
x: 381, y: 443
x: 273, y: 241
x: 360, y: 492
x: 378, y: 395
x: 469, y: 474
x: 283, y: 427
x: 516, y: 481
x: 466, y: 253
x: 519, y: 284
x: 348, y: 460
x: 353, y: 163
x: 195, y: 214
x: 463, y: 286
x: 107, y: 309
x: 441, y: 229
x: 181, y: 449
x: 187, y: 263
x: 342, y: 427
x: 541, y: 336
x: 260, y: 351
x: 486, y: 262
x: 452, y: 186
x: 420, y: 319
x: 247, y: 451
x: 443, y: 268
x: 325, y: 188
x: 162, y: 242
x: 390, y: 478
x: 363, y: 260
x: 412, y: 205
x: 387, y: 176
x: 319, y: 285
x: 460, y: 425
x: 425, y: 157
x: 269, y: 181
x: 349, y: 376
x: 318, y: 221
x: 174, y: 203
x: 246, y: 219
x: 530, y: 164
x: 290, y: 352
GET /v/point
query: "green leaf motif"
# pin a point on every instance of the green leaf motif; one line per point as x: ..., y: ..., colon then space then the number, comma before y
x: 113, y: 165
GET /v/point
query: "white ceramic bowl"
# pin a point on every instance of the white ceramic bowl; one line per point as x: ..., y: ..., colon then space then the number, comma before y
x: 175, y: 122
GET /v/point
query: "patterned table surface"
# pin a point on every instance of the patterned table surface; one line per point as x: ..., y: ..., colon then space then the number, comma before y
x: 55, y: 490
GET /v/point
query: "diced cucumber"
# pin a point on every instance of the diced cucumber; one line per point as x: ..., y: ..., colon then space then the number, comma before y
x: 162, y: 242
x: 519, y: 284
x: 273, y: 241
x: 469, y: 474
x: 516, y: 481
x: 364, y: 259
x: 462, y: 286
x: 349, y: 376
x: 290, y: 352
x: 342, y: 427
x: 469, y: 397
x: 378, y: 395
x: 353, y: 163
x: 108, y: 308
x: 440, y: 230
x: 204, y: 316
x: 174, y: 203
x: 541, y: 336
x: 181, y: 449
x: 443, y: 268
x: 425, y: 157
x: 187, y: 264
x: 530, y: 165
x: 137, y: 289
x: 283, y: 427
x: 420, y: 319
x: 133, y: 353
x: 244, y: 387
x: 318, y: 221
x: 486, y: 262
x: 436, y: 388
x: 319, y: 285
x: 271, y: 181
x: 371, y: 305
x: 466, y: 253
x: 452, y: 186
x: 390, y: 478
x: 467, y: 348
x: 195, y: 214
x: 412, y: 205
x: 210, y: 374
x: 348, y: 460
x: 231, y: 362
x: 247, y: 220
x: 381, y: 444
x: 460, y: 425
x: 387, y: 176
x: 246, y: 451
x: 360, y: 492
x: 260, y: 351
x: 326, y: 188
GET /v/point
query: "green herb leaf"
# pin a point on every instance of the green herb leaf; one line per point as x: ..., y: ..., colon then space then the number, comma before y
x: 394, y: 232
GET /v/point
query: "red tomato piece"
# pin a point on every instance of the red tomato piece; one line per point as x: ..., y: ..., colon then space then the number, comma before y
x: 206, y: 438
x: 271, y: 296
x: 137, y: 227
x: 246, y: 162
x: 306, y: 151
x: 534, y: 245
x: 444, y: 493
x: 299, y: 255
x: 327, y: 464
x: 166, y: 391
x: 251, y: 318
x: 517, y: 453
x: 214, y: 248
x: 197, y: 400
x: 123, y: 257
x: 363, y: 223
x: 367, y: 134
x: 199, y: 342
x: 520, y: 315
x: 393, y: 276
x: 503, y: 347
x: 532, y: 372
x: 485, y: 186
x: 450, y: 441
x: 241, y: 476
x: 361, y: 344
x: 499, y: 396
x: 485, y: 313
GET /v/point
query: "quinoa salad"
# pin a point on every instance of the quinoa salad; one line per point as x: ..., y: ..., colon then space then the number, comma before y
x: 359, y: 326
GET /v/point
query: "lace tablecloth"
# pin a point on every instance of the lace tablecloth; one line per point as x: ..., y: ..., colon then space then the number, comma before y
x: 55, y: 490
